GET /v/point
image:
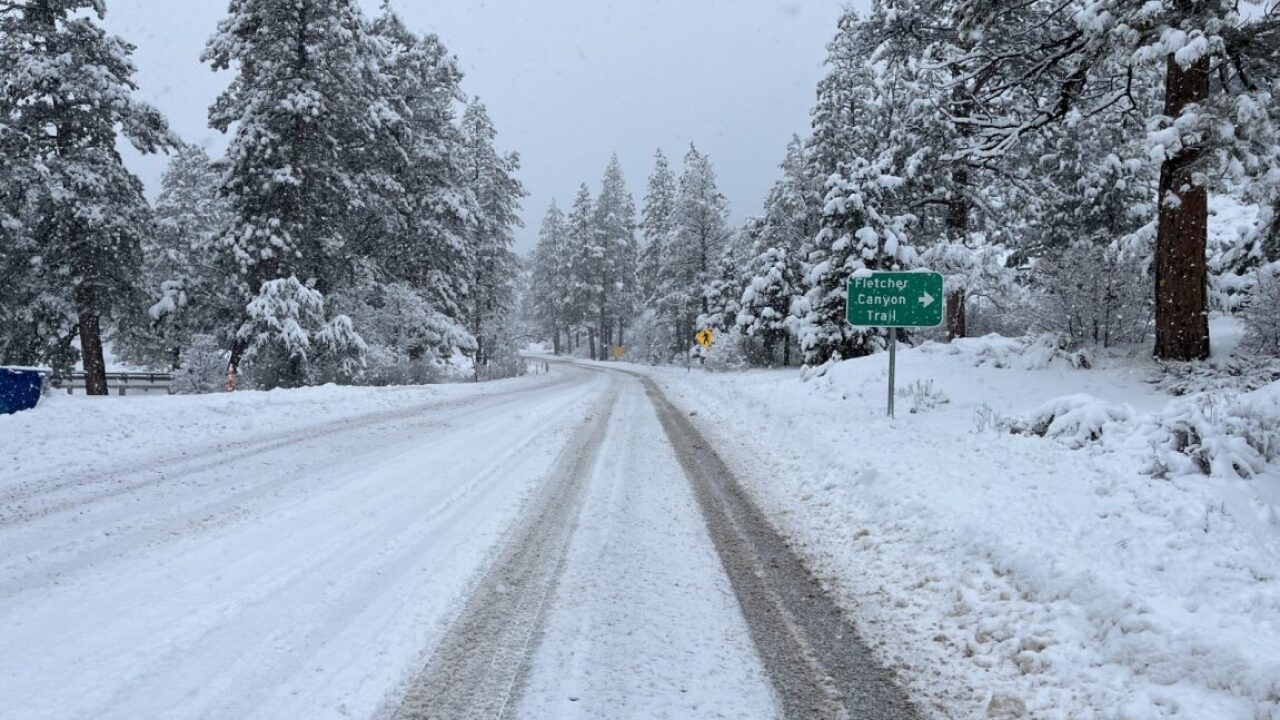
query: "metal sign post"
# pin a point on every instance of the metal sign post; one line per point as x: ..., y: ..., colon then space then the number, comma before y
x: 893, y: 364
x: 894, y: 300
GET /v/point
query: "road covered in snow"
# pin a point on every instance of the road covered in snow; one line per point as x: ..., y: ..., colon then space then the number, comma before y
x: 563, y: 545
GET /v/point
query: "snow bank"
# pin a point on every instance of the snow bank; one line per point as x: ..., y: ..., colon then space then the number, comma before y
x: 1014, y: 575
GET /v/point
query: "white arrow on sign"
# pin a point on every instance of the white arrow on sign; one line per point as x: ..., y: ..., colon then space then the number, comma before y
x: 927, y: 299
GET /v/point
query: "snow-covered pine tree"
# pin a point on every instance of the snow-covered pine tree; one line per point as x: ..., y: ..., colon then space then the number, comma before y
x: 585, y: 258
x: 700, y: 237
x: 615, y: 226
x: 792, y: 216
x: 772, y: 276
x: 313, y: 122
x: 190, y: 295
x: 657, y: 229
x: 291, y: 342
x: 550, y: 278
x: 1050, y: 62
x: 432, y: 252
x: 490, y: 175
x: 865, y: 219
x: 79, y: 215
x: 657, y: 225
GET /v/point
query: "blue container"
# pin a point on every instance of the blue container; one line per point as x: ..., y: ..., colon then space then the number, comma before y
x: 20, y: 388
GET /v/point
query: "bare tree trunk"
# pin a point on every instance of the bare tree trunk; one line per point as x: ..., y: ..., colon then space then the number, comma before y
x: 95, y: 364
x: 786, y: 350
x: 957, y: 322
x: 958, y: 229
x: 591, y: 339
x: 1182, y: 319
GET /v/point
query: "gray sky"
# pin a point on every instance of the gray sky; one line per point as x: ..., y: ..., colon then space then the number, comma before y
x: 566, y: 81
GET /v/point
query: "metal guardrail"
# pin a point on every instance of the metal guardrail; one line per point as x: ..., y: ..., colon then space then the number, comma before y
x: 120, y: 382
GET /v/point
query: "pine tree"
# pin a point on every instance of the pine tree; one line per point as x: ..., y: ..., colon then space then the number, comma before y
x: 700, y: 237
x: 190, y: 295
x: 585, y: 259
x: 79, y: 216
x: 550, y: 278
x: 657, y: 229
x: 865, y: 219
x: 491, y: 178
x: 615, y: 226
x: 1052, y: 62
x: 432, y: 250
x: 657, y: 226
x: 313, y: 123
x: 775, y: 244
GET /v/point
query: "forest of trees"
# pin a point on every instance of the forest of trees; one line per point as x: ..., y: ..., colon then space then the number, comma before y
x: 358, y: 229
x: 1056, y: 161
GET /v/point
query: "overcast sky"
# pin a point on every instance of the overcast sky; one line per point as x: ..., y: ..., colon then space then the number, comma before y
x: 566, y: 81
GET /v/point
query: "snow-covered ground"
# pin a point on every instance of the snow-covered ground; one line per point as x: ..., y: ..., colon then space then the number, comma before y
x: 644, y: 623
x: 300, y: 553
x: 259, y: 555
x: 1013, y: 575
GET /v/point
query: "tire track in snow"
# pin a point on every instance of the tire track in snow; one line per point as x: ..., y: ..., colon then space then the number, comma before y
x: 818, y: 665
x: 476, y: 670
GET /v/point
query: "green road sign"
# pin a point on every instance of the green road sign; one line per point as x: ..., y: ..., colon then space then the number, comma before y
x: 895, y: 299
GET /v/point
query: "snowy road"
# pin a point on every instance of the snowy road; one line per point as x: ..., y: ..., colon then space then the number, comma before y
x: 565, y: 548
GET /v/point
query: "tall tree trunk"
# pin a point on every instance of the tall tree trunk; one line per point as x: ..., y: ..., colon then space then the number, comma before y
x: 958, y: 211
x: 1182, y: 319
x: 95, y: 364
x: 958, y: 229
x: 786, y: 350
x: 591, y: 340
x: 957, y: 322
x: 555, y: 338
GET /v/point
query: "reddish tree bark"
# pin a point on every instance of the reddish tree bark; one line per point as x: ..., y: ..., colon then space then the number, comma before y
x: 95, y: 364
x: 1182, y: 320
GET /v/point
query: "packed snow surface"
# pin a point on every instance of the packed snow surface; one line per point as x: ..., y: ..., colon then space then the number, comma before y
x: 263, y: 555
x: 1075, y: 572
x: 644, y: 623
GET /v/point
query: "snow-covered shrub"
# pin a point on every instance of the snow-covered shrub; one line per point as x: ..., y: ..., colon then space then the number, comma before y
x: 204, y: 367
x: 504, y: 361
x: 409, y: 342
x: 1215, y: 435
x: 731, y: 351
x: 923, y: 396
x: 1261, y: 312
x: 1092, y: 294
x: 1076, y: 420
x: 984, y: 418
x: 1033, y: 352
x: 292, y: 343
x: 1234, y: 374
x: 650, y: 339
